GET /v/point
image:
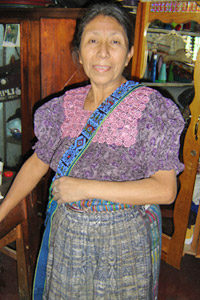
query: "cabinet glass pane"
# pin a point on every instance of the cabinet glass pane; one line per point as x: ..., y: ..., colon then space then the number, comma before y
x: 10, y: 95
x: 172, y: 50
x: 175, y: 46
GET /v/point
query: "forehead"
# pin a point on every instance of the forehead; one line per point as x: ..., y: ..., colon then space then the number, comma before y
x: 103, y: 23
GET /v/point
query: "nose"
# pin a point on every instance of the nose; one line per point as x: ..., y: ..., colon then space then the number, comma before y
x: 103, y: 50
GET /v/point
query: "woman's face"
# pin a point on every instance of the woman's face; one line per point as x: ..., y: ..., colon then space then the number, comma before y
x: 104, y: 51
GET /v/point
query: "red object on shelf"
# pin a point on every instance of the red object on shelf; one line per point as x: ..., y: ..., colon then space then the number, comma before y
x: 8, y: 173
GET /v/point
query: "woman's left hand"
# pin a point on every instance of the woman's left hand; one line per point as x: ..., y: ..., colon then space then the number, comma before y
x: 67, y: 189
x: 152, y: 190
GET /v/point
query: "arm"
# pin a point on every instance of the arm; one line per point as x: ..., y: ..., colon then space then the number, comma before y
x: 160, y: 188
x: 163, y: 125
x: 27, y: 178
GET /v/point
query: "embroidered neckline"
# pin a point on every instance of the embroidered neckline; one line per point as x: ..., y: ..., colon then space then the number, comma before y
x: 120, y: 128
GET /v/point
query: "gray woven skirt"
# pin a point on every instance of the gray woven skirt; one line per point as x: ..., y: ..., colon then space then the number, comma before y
x: 104, y: 256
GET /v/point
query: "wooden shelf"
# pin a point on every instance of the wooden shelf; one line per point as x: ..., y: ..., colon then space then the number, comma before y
x: 169, y: 84
x: 166, y: 31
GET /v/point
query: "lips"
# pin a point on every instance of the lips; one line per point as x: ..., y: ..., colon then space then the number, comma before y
x: 100, y: 68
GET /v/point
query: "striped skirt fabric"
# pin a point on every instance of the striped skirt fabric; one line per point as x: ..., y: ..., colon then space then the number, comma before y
x: 104, y: 256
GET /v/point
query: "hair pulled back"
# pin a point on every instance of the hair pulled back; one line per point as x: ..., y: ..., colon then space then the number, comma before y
x: 112, y: 9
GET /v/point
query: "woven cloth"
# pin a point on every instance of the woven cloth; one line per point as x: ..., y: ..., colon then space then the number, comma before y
x: 106, y: 255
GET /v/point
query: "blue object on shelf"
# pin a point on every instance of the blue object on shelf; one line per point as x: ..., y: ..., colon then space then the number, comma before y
x: 153, y: 74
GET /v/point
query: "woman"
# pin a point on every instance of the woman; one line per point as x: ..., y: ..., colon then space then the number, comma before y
x: 114, y: 146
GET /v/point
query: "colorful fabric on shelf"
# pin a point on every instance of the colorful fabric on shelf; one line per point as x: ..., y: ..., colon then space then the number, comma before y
x: 175, y: 7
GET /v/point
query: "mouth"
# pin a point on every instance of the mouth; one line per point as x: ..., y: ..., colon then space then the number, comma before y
x: 100, y: 68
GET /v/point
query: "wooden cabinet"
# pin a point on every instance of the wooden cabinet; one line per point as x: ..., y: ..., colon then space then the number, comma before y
x: 46, y: 66
x: 168, y: 12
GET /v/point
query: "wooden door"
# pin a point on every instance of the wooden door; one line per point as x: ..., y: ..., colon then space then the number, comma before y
x: 57, y: 66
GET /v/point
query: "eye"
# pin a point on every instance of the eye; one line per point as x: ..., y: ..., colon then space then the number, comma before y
x: 92, y: 41
x: 115, y: 42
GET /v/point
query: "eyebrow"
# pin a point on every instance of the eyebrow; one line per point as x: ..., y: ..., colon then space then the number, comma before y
x: 98, y: 33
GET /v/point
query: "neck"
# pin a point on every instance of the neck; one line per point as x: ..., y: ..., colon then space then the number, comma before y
x: 98, y: 94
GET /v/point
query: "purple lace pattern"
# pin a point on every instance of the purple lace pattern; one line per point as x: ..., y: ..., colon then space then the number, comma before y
x: 139, y: 138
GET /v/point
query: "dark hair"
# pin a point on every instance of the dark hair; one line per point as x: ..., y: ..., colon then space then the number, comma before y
x: 110, y: 8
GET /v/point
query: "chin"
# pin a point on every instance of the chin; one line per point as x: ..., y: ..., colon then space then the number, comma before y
x: 106, y: 80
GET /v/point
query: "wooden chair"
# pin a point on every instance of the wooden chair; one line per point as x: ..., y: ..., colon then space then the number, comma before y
x: 23, y: 228
x: 11, y: 230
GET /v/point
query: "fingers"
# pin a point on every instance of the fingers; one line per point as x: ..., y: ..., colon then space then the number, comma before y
x: 58, y: 191
x: 55, y: 192
x: 55, y: 189
x: 67, y: 189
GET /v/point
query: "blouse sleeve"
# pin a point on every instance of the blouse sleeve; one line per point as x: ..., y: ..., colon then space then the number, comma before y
x: 160, y: 129
x: 47, y: 123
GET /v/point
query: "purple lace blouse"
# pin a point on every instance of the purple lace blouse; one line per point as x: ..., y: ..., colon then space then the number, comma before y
x: 140, y: 137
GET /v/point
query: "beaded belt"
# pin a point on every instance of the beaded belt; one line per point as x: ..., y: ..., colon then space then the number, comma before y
x: 103, y: 206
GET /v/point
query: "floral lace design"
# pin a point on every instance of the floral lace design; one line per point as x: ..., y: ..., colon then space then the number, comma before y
x: 120, y: 128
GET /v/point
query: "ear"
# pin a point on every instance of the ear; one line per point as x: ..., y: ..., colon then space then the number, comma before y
x: 129, y: 56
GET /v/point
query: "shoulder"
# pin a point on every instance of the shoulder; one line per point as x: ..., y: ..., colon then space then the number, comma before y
x: 75, y: 98
x: 55, y: 106
x: 140, y: 95
x: 50, y: 108
x: 79, y: 91
x: 162, y: 107
x: 136, y: 102
x: 154, y: 103
x: 144, y: 94
x: 161, y: 115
